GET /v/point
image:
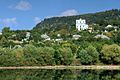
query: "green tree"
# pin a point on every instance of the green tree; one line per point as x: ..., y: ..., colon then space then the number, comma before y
x: 29, y: 53
x: 88, y: 55
x: 7, y: 58
x: 6, y: 32
x: 3, y: 42
x: 116, y: 37
x: 111, y: 53
x: 47, y: 54
x: 65, y: 56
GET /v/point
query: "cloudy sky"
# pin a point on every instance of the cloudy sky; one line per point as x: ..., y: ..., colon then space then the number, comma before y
x: 25, y: 14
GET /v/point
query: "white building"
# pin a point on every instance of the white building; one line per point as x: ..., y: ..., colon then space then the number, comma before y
x: 45, y: 36
x: 81, y: 24
x: 0, y: 33
x: 27, y: 35
x: 76, y: 37
x: 109, y: 26
x: 102, y: 36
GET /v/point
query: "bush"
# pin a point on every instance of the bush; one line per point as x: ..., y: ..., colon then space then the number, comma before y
x: 111, y: 53
x: 88, y: 55
x: 65, y: 56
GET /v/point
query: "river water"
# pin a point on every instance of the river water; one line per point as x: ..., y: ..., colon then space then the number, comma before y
x: 59, y: 75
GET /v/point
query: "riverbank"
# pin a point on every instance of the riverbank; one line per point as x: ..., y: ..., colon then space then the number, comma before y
x: 106, y: 67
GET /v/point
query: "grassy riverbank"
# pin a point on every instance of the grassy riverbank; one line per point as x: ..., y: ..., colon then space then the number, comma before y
x: 106, y: 67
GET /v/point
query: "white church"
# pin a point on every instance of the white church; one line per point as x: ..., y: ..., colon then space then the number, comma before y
x: 81, y: 24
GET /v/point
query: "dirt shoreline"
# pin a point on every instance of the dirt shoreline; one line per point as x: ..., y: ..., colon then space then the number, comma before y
x: 106, y: 67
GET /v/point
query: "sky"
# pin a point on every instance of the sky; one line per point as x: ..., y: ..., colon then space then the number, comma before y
x: 25, y: 14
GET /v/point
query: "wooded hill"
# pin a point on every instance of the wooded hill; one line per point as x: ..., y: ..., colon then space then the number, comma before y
x: 102, y: 18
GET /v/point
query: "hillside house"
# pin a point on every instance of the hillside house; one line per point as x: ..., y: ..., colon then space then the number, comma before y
x: 102, y: 36
x: 0, y: 33
x: 81, y: 24
x: 111, y: 27
x: 45, y: 37
x: 76, y: 37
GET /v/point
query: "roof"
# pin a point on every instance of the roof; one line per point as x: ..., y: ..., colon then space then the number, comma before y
x: 102, y: 36
x: 45, y: 36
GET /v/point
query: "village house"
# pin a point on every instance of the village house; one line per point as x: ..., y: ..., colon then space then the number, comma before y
x: 81, y: 24
x: 45, y: 37
x: 0, y: 33
x: 102, y: 36
x: 110, y: 26
x: 76, y: 37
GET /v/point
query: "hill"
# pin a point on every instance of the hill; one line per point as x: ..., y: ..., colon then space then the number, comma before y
x: 102, y: 18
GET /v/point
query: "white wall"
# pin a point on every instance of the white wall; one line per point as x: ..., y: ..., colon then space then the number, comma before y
x: 81, y: 24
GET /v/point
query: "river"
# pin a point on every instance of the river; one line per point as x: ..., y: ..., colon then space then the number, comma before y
x: 59, y: 74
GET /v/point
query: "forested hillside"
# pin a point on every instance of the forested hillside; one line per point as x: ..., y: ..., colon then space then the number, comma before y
x: 102, y: 18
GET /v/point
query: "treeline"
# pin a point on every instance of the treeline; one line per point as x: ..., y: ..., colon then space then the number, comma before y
x: 60, y: 54
x: 87, y: 50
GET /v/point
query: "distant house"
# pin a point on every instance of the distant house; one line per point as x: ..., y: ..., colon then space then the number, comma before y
x: 45, y: 37
x: 110, y: 26
x: 102, y: 36
x: 60, y: 39
x: 81, y: 24
x: 90, y: 29
x: 58, y: 35
x: 105, y: 31
x: 76, y: 37
x: 14, y: 35
x: 27, y: 35
x: 0, y: 33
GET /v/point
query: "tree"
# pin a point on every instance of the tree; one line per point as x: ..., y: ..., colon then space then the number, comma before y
x: 18, y: 55
x: 29, y: 55
x: 3, y: 42
x: 65, y: 56
x: 6, y: 32
x: 47, y: 53
x: 7, y: 58
x: 116, y: 37
x: 111, y: 53
x: 85, y: 58
x: 88, y: 55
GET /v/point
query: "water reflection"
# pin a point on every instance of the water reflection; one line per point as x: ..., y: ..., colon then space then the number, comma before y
x: 59, y: 75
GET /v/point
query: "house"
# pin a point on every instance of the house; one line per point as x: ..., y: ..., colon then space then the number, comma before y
x: 105, y: 31
x: 27, y: 35
x: 76, y: 37
x: 109, y: 26
x: 113, y: 27
x: 58, y: 35
x: 102, y: 36
x: 81, y: 24
x: 45, y: 36
x: 14, y: 35
x: 90, y: 29
x: 0, y: 33
x: 60, y: 39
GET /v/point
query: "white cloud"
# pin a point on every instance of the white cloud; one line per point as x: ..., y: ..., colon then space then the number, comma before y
x: 69, y: 12
x: 37, y: 20
x: 8, y: 22
x: 22, y: 5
